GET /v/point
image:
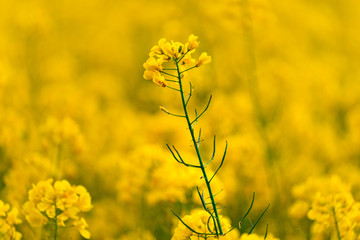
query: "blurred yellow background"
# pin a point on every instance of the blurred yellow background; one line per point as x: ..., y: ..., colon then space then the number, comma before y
x: 286, y: 95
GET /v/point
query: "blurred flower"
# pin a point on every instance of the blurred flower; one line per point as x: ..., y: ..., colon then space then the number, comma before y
x: 199, y: 222
x: 8, y: 220
x: 59, y: 201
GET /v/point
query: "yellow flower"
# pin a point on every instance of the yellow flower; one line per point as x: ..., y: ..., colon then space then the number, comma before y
x: 169, y: 50
x: 198, y: 221
x: 165, y: 47
x: 253, y: 236
x: 59, y: 200
x: 84, y: 201
x: 298, y: 210
x: 65, y: 195
x: 152, y: 64
x: 156, y: 77
x: 203, y: 59
x: 38, y: 191
x: 8, y: 220
x: 82, y: 226
x: 12, y: 217
x: 34, y: 216
x: 149, y: 75
x: 3, y: 208
x: 193, y: 43
x: 188, y: 59
x: 159, y: 79
x: 155, y: 51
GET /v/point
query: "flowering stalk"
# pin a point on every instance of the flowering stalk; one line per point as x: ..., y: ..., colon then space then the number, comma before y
x: 180, y: 55
x: 59, y: 203
x: 196, y: 146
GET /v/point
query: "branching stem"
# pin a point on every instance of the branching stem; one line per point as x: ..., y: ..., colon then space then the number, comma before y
x: 189, y: 123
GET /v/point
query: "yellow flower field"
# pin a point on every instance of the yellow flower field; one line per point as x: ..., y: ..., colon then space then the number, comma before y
x: 100, y: 139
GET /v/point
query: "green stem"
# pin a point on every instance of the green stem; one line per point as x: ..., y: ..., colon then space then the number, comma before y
x: 197, y: 150
x: 56, y: 226
x: 336, y: 224
x: 188, y: 69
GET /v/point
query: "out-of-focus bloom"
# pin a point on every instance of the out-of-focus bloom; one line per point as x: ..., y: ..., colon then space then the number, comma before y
x: 335, y: 211
x: 254, y: 236
x: 198, y: 221
x: 64, y: 132
x: 60, y: 201
x: 330, y: 204
x: 82, y: 226
x: 306, y: 193
x: 8, y: 220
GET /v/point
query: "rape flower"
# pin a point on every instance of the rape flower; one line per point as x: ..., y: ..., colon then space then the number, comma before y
x: 329, y: 204
x: 3, y: 208
x: 335, y: 209
x: 82, y: 226
x: 152, y: 65
x: 159, y: 79
x: 33, y: 216
x: 8, y: 220
x: 253, y: 236
x: 166, y: 51
x: 58, y: 203
x: 203, y: 59
x: 63, y: 132
x: 193, y: 43
x: 198, y: 221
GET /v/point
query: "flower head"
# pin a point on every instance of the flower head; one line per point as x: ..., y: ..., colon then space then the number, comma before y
x: 8, y: 220
x: 170, y: 51
x: 198, y: 221
x: 61, y: 201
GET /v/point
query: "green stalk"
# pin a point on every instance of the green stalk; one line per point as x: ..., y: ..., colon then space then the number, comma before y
x: 336, y: 223
x: 197, y: 150
x: 56, y: 226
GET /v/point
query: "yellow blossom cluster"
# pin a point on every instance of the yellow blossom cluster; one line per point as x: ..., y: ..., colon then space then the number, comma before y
x: 199, y: 222
x: 328, y: 202
x: 335, y: 213
x: 167, y: 51
x: 246, y: 236
x: 58, y: 203
x: 61, y: 133
x: 8, y: 220
x: 151, y: 181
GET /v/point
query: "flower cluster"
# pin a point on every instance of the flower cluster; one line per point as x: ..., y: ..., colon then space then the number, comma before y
x: 305, y: 193
x: 199, y: 222
x: 64, y: 131
x: 59, y: 203
x: 246, y: 236
x: 328, y: 202
x: 8, y: 220
x: 335, y: 211
x: 177, y: 52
